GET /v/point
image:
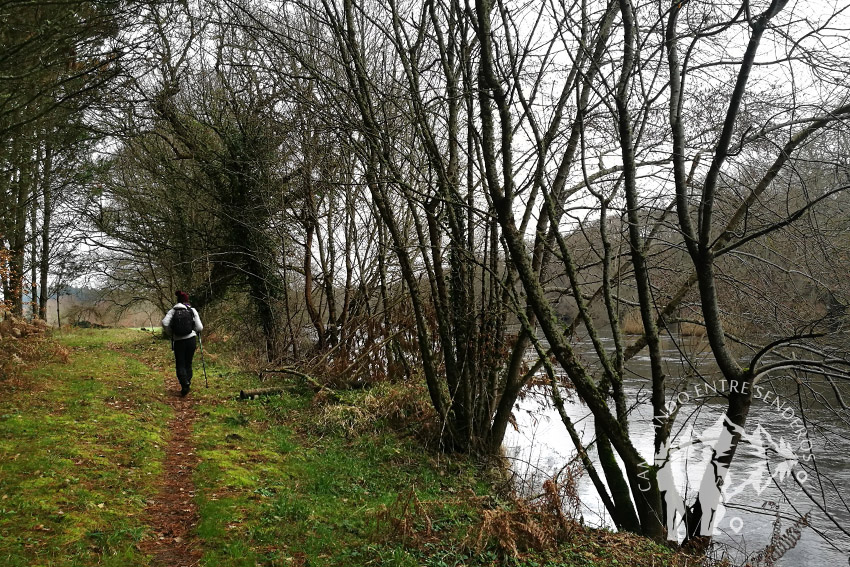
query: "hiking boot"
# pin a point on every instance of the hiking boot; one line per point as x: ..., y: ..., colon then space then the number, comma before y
x: 184, y: 390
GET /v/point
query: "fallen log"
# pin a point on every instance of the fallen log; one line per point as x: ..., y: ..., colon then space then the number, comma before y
x: 312, y: 381
x: 276, y: 390
x: 254, y: 394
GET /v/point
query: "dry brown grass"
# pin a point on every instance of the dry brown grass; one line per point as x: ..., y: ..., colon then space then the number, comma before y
x: 538, y: 524
x: 691, y: 329
x: 461, y: 527
x: 25, y: 343
x: 12, y: 327
x: 406, y: 520
x: 631, y: 323
x: 395, y: 404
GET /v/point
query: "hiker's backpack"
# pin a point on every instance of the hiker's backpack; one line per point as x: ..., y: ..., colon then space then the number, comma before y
x: 182, y: 322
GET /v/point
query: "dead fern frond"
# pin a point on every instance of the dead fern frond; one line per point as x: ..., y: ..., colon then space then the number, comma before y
x: 406, y: 519
x: 537, y: 524
x: 781, y: 542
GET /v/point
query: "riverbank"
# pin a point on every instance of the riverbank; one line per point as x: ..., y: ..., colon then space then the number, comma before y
x: 88, y: 453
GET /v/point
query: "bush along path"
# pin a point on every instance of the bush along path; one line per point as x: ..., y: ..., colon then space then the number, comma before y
x: 101, y: 463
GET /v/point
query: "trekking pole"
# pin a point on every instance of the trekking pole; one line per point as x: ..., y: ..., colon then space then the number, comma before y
x: 203, y: 362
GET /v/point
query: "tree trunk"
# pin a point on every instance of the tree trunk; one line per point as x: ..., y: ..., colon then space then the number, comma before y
x: 19, y: 239
x: 315, y: 317
x: 44, y: 260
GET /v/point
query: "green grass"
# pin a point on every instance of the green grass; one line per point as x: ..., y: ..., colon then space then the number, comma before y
x: 284, y: 480
x: 272, y: 487
x: 80, y: 449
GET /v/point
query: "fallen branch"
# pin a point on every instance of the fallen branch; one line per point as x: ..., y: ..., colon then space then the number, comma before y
x: 309, y: 379
x: 254, y: 394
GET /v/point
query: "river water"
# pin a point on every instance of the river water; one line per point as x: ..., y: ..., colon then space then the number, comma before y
x: 759, y: 484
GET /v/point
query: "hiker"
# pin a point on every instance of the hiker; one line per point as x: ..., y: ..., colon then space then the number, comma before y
x: 184, y: 323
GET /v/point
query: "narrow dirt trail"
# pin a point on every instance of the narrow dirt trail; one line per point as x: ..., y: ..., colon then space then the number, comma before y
x: 172, y: 513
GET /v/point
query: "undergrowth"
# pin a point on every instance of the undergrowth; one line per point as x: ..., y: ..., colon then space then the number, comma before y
x: 24, y: 345
x: 298, y: 478
x: 354, y: 478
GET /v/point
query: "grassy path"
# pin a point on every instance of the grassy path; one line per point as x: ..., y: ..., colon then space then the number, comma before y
x: 81, y: 446
x: 93, y: 472
x: 173, y: 514
x: 102, y: 464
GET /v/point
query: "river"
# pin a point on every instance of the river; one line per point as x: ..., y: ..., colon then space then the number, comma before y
x: 540, y: 447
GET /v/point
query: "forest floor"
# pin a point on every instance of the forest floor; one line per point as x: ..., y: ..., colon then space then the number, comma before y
x: 102, y: 463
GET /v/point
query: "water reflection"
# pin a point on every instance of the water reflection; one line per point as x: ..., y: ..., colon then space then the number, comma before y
x: 541, y: 447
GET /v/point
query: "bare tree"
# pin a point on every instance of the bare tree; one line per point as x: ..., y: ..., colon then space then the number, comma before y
x: 500, y: 125
x: 522, y: 177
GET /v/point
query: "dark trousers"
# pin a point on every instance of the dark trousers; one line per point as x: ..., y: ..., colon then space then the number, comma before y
x: 184, y: 350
